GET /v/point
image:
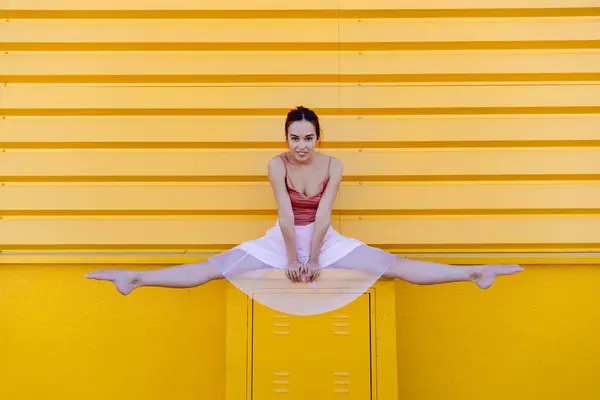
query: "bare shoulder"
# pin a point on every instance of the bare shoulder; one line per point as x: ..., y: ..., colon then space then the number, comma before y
x: 336, y: 162
x: 275, y: 165
x: 336, y: 167
x: 277, y: 160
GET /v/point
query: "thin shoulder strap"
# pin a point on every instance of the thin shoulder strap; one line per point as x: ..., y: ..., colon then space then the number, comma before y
x: 284, y: 163
x: 286, y: 169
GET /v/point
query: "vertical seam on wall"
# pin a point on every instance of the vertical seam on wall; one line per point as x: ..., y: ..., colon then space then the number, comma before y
x: 339, y: 94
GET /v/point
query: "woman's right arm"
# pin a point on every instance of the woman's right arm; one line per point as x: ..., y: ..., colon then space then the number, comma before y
x: 284, y: 207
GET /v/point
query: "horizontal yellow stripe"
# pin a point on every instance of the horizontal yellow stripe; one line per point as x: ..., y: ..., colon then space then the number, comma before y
x: 393, y: 248
x: 140, y: 260
x: 339, y: 131
x: 282, y: 111
x: 283, y: 145
x: 353, y: 197
x: 347, y: 178
x: 304, y: 13
x: 309, y: 78
x: 321, y: 64
x: 330, y: 97
x: 366, y: 164
x: 297, y: 31
x: 427, y: 231
x: 301, y: 46
x: 268, y: 4
x: 341, y: 98
x: 273, y: 212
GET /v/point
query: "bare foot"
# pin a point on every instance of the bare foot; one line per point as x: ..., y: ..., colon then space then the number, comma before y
x: 484, y: 275
x: 124, y: 281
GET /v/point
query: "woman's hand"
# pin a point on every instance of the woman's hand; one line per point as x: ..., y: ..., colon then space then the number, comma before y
x: 313, y: 271
x: 294, y: 271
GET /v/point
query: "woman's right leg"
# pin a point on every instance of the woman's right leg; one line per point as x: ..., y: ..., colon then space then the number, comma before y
x: 180, y: 276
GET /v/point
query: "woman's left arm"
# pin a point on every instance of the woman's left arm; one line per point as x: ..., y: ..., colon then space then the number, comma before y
x: 323, y: 216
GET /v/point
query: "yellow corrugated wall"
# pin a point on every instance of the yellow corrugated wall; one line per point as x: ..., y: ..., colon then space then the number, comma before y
x: 136, y: 133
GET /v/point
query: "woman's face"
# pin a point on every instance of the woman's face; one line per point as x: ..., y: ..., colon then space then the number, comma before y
x: 302, y: 140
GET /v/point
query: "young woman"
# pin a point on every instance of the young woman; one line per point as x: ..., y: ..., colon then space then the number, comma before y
x: 302, y: 265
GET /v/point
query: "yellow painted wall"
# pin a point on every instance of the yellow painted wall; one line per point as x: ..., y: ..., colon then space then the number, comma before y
x: 64, y: 339
x: 136, y: 134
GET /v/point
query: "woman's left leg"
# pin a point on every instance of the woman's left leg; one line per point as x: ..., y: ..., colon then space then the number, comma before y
x: 431, y: 273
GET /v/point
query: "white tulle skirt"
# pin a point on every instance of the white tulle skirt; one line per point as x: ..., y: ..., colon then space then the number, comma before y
x: 257, y: 267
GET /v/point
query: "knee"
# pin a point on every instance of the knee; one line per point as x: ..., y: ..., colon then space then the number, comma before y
x: 212, y: 272
x: 397, y: 269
